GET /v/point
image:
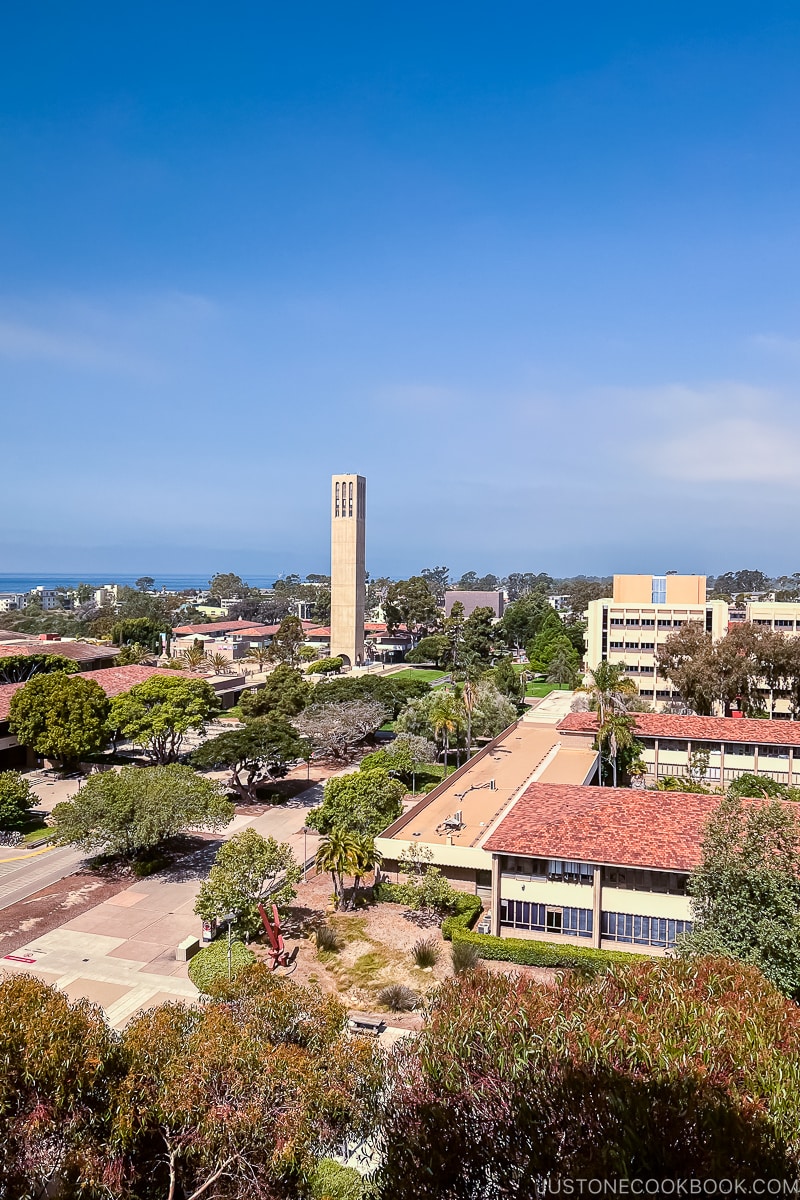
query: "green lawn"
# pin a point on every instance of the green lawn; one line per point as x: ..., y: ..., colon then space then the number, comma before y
x: 428, y: 674
x: 34, y: 829
x: 540, y: 688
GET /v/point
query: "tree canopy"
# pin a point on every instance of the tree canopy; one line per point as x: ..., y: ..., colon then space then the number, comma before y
x: 659, y: 1069
x: 411, y: 602
x: 746, y: 893
x: 364, y: 802
x: 285, y: 691
x: 263, y: 749
x: 17, y: 798
x: 247, y: 870
x: 335, y: 730
x: 158, y: 713
x: 60, y: 716
x: 19, y: 668
x: 126, y: 812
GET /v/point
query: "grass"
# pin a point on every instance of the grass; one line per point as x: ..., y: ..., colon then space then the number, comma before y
x: 538, y: 687
x: 34, y: 829
x: 427, y: 674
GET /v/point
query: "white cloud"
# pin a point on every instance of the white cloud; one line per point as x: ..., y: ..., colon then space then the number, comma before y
x: 732, y: 450
x: 776, y: 343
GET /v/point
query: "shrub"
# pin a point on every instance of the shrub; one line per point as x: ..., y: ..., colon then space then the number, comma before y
x: 328, y: 939
x: 331, y: 1181
x: 324, y: 666
x: 426, y: 953
x: 529, y: 953
x: 150, y: 862
x: 465, y: 956
x: 467, y: 911
x: 399, y: 998
x: 211, y: 963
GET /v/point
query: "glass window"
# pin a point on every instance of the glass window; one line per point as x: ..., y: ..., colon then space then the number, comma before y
x: 659, y: 589
x: 337, y: 499
x: 351, y: 500
x: 554, y: 921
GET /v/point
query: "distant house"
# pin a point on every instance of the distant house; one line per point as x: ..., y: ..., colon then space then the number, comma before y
x: 233, y: 639
x: 91, y: 657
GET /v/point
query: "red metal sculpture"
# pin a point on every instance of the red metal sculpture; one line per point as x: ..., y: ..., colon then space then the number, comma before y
x: 277, y: 952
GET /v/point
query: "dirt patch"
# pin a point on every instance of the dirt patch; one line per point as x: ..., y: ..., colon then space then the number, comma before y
x: 376, y: 945
x: 60, y: 902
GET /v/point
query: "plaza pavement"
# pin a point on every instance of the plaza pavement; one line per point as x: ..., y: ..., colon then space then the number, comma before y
x: 121, y: 953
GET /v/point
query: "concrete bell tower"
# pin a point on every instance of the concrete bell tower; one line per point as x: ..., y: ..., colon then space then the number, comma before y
x: 348, y: 578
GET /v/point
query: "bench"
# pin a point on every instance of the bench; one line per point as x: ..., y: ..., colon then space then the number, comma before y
x: 364, y: 1024
x: 187, y: 949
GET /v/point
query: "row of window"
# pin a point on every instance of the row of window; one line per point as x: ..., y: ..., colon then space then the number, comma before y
x: 626, y: 928
x: 777, y: 624
x: 647, y: 622
x: 554, y: 869
x: 642, y: 931
x: 732, y: 749
x: 546, y: 918
x: 633, y: 645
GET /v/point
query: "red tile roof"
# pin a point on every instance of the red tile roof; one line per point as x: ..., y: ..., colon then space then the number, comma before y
x: 321, y: 631
x: 623, y: 827
x: 78, y: 651
x: 113, y: 681
x: 702, y: 729
x: 213, y: 627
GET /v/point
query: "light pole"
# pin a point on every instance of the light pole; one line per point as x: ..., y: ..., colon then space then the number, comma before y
x: 230, y: 918
x: 305, y: 854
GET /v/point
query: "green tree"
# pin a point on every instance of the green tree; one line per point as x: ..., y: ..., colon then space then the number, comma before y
x: 551, y: 636
x: 287, y: 640
x: 687, y: 659
x: 143, y: 630
x: 325, y: 666
x: 144, y: 583
x: 366, y: 858
x: 412, y: 603
x: 226, y: 585
x: 746, y: 892
x: 434, y: 649
x: 158, y: 713
x: 129, y: 811
x: 507, y: 680
x: 263, y: 749
x: 447, y: 719
x: 260, y: 655
x: 478, y: 636
x: 248, y: 870
x: 437, y: 579
x: 523, y: 619
x: 402, y: 757
x: 364, y: 802
x: 760, y: 787
x: 19, y: 668
x: 17, y: 798
x: 563, y: 666
x: 285, y: 691
x: 491, y: 712
x: 60, y: 716
x: 453, y: 627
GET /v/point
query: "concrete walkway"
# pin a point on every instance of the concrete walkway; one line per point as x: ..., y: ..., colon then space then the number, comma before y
x: 121, y: 954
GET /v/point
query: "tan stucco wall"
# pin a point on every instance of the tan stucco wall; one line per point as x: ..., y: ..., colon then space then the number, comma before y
x: 348, y: 583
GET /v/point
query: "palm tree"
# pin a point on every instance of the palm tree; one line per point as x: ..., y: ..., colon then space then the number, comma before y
x: 469, y: 695
x: 336, y: 853
x: 259, y: 655
x: 617, y: 733
x: 193, y: 657
x: 220, y: 664
x: 609, y: 690
x: 366, y: 858
x: 445, y: 719
x: 562, y: 668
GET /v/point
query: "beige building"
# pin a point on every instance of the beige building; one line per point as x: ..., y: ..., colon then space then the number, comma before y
x: 643, y: 610
x: 348, y: 568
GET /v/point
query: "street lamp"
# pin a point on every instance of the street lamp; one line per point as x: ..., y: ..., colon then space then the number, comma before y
x: 229, y: 919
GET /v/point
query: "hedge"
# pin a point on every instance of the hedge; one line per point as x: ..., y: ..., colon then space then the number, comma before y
x: 529, y: 953
x: 468, y: 907
x: 211, y: 963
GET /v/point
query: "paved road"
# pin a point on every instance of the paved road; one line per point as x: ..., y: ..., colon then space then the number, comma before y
x: 21, y: 879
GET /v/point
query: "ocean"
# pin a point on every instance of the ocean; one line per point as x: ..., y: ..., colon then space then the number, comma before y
x: 173, y: 583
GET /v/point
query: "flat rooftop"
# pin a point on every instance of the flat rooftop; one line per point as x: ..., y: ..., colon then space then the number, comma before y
x: 528, y: 752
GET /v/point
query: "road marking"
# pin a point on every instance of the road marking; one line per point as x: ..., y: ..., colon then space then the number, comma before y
x: 23, y: 857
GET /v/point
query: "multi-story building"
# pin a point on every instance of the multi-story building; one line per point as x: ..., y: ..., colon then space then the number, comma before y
x: 47, y: 596
x: 469, y: 601
x: 716, y: 750
x: 630, y: 625
x: 11, y: 601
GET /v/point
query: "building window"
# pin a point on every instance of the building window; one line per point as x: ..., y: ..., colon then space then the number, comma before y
x: 617, y: 645
x: 632, y: 621
x: 649, y: 621
x: 664, y: 623
x: 645, y: 691
x: 631, y: 645
x: 617, y: 621
x: 337, y: 499
x: 351, y: 500
x: 632, y: 670
x: 773, y: 752
x: 659, y: 589
x: 648, y: 646
x: 642, y: 931
x: 647, y: 670
x: 554, y: 920
x: 542, y: 918
x: 709, y: 619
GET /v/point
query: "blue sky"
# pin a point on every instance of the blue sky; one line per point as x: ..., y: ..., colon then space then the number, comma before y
x: 533, y: 269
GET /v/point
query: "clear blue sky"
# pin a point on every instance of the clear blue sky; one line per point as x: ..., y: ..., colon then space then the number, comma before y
x: 532, y: 268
